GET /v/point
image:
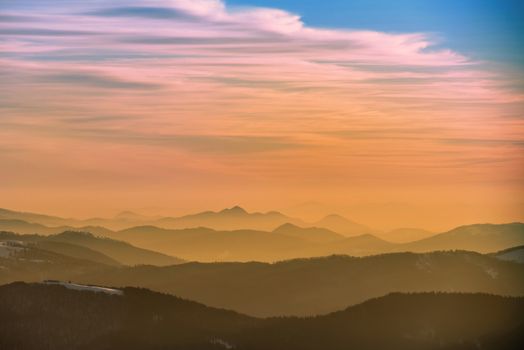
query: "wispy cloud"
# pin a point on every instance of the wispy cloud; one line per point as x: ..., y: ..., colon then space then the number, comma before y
x: 208, y: 144
x: 141, y: 11
x: 42, y: 32
x: 95, y: 81
x: 253, y: 92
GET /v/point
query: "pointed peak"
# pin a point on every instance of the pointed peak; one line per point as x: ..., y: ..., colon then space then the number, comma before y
x: 234, y: 210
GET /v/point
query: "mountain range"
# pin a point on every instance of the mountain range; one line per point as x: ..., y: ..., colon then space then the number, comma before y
x: 228, y: 219
x: 296, y: 287
x: 285, y: 281
x: 287, y: 241
x: 319, y: 285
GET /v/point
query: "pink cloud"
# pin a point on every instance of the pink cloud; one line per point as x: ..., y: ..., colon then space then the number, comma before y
x: 249, y: 72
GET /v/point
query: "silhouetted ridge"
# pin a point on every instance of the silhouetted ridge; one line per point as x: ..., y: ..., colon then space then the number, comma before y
x: 54, y: 317
x: 319, y: 285
x: 234, y: 210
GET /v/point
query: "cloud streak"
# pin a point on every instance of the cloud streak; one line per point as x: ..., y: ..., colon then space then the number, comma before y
x: 95, y: 81
x: 247, y: 94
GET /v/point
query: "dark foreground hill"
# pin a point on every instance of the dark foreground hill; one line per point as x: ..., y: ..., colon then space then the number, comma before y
x: 53, y: 317
x: 317, y: 286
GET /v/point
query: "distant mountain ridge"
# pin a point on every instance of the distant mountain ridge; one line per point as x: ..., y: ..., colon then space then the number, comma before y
x: 484, y: 238
x: 313, y: 234
x: 228, y: 219
x: 234, y: 218
x: 288, y: 241
x: 342, y: 225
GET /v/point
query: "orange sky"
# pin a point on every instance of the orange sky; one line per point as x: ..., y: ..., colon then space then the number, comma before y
x: 103, y: 113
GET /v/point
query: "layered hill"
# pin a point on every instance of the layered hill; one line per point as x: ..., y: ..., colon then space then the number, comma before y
x: 203, y: 244
x: 123, y: 252
x: 295, y: 287
x: 60, y: 318
x: 515, y: 254
x: 229, y: 219
x: 484, y: 238
x: 76, y: 251
x: 21, y: 261
x: 406, y: 235
x: 235, y: 218
x: 298, y: 287
x: 317, y: 286
x: 313, y: 234
x: 48, y: 220
x: 83, y: 245
x: 25, y: 227
x: 342, y: 225
x: 286, y: 242
x: 290, y: 241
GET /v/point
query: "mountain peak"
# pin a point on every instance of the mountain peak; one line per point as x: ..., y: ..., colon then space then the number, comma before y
x: 234, y: 210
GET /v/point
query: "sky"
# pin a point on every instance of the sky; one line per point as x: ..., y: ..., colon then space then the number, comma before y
x: 404, y: 113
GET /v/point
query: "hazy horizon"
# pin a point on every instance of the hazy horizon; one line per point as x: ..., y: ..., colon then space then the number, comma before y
x: 400, y: 215
x: 390, y: 114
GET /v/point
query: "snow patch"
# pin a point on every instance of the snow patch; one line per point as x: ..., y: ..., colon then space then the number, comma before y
x: 223, y: 343
x: 86, y: 288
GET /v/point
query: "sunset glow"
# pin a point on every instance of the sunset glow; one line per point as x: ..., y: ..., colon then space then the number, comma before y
x: 172, y: 106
